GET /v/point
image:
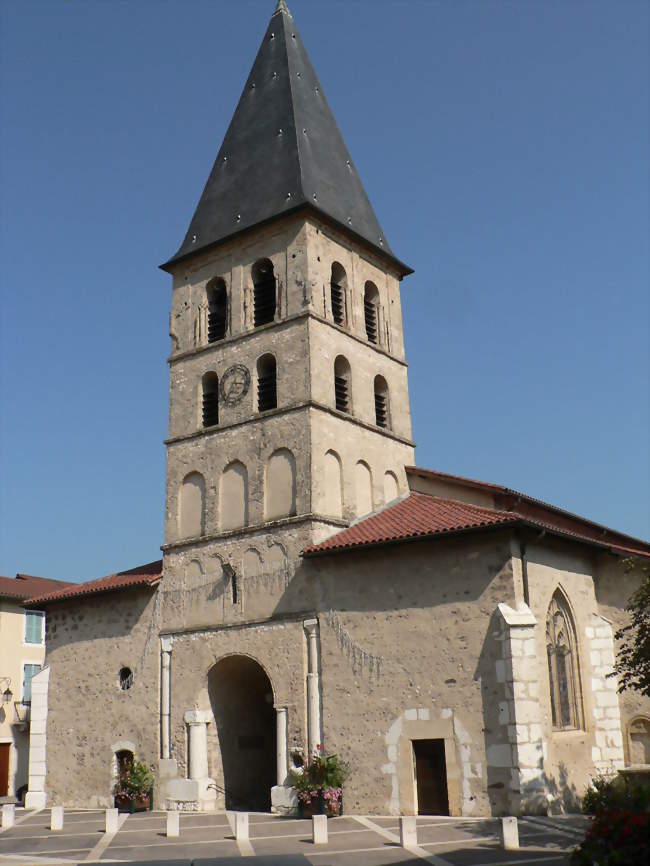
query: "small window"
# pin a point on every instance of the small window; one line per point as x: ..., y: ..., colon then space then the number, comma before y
x: 267, y: 391
x: 370, y: 309
x: 382, y: 418
x: 342, y: 389
x: 562, y: 665
x: 210, y: 402
x: 217, y: 310
x: 126, y: 679
x: 29, y: 672
x: 338, y: 283
x: 34, y: 623
x: 263, y: 293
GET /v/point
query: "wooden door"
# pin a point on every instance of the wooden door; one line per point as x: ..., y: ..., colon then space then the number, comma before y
x: 4, y: 768
x: 431, y: 777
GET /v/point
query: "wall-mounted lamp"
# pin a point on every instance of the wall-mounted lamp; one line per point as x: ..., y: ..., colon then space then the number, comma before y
x: 6, y: 695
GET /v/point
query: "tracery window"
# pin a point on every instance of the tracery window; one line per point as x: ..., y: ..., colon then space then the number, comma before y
x: 563, y: 672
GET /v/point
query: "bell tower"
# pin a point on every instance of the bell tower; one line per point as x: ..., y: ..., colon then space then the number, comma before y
x: 289, y: 405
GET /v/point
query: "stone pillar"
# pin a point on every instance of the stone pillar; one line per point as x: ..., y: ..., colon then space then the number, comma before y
x: 36, y: 796
x: 197, y: 721
x: 165, y: 694
x: 607, y: 753
x: 519, y: 714
x: 281, y: 744
x: 314, y: 734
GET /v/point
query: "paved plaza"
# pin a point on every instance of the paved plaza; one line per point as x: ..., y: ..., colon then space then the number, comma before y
x: 207, y: 839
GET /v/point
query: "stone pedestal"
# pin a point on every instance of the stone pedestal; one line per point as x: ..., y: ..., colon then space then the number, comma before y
x: 284, y: 801
x: 319, y: 829
x: 408, y: 834
x: 197, y: 722
x: 509, y: 834
x: 56, y: 818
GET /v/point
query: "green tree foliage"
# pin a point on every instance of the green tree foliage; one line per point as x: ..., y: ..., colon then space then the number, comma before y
x: 633, y: 658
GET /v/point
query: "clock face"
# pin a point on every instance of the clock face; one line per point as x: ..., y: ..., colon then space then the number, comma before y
x: 234, y: 384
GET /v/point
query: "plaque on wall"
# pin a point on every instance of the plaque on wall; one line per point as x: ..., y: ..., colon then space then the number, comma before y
x: 234, y: 384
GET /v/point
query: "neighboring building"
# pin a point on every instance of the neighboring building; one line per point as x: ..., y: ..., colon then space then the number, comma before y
x: 22, y: 651
x: 450, y: 639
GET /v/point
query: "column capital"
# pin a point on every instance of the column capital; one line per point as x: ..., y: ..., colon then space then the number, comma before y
x: 198, y: 717
x: 310, y: 625
x: 166, y: 643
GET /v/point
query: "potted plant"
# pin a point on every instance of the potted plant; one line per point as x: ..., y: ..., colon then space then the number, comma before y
x: 320, y: 786
x: 134, y: 789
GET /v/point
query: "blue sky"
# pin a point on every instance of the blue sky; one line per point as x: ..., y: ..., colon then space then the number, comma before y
x: 504, y: 146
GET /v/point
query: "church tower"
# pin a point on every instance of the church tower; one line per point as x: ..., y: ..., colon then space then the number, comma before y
x: 289, y: 404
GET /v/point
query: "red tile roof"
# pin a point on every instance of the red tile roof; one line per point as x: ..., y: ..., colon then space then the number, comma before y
x: 24, y: 586
x: 417, y: 516
x: 142, y: 575
x: 421, y: 515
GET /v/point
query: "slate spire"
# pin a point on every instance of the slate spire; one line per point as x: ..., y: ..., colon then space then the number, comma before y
x: 283, y: 151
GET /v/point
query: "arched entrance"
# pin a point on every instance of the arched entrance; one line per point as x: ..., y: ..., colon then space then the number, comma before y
x: 242, y: 703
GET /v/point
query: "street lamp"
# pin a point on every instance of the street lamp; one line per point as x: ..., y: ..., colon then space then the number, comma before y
x: 7, y: 694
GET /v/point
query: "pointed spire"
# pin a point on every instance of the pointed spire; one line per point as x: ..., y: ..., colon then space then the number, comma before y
x: 283, y: 151
x: 282, y: 7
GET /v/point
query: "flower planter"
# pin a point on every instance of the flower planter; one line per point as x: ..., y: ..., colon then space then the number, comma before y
x: 322, y: 804
x: 137, y: 803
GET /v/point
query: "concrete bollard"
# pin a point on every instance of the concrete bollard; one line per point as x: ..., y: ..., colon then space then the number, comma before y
x: 241, y: 826
x: 408, y: 833
x: 111, y: 820
x: 319, y: 829
x: 56, y: 818
x: 173, y: 824
x: 8, y: 816
x: 509, y: 834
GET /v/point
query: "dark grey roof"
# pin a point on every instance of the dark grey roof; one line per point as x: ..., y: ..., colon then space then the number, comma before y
x: 283, y: 150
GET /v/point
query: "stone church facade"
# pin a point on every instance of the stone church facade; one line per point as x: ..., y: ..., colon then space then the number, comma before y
x: 451, y: 640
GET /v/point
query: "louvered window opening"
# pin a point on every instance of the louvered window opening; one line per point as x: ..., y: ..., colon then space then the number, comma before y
x: 264, y: 302
x: 341, y: 393
x: 337, y: 303
x: 210, y: 408
x: 371, y: 320
x: 267, y: 392
x: 216, y: 322
x: 381, y: 410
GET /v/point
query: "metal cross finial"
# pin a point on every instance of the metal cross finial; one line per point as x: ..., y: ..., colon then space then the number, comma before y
x: 282, y: 7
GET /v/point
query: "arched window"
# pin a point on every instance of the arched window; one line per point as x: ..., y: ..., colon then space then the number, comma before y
x: 210, y: 399
x: 234, y: 496
x: 638, y: 741
x: 263, y: 292
x: 267, y: 391
x: 382, y: 406
x: 333, y: 484
x: 191, y: 517
x: 370, y: 309
x: 280, y: 488
x: 391, y: 487
x: 338, y: 284
x: 342, y: 385
x: 363, y: 488
x: 217, y: 310
x: 561, y: 649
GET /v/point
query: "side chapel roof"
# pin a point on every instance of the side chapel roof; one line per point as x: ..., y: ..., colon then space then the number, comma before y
x: 422, y: 515
x: 283, y: 151
x: 141, y: 576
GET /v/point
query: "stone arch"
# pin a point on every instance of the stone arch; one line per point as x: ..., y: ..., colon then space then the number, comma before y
x: 267, y: 382
x: 191, y: 506
x: 217, y: 297
x: 338, y: 286
x: 371, y: 311
x: 333, y: 484
x: 391, y: 486
x: 242, y: 700
x: 119, y: 748
x: 342, y: 385
x: 280, y: 487
x: 363, y: 488
x: 264, y: 301
x: 382, y: 403
x: 563, y: 663
x: 209, y: 399
x: 234, y: 496
x: 277, y: 561
x: 252, y: 563
x: 638, y: 740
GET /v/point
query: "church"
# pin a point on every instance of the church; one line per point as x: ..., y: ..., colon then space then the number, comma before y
x: 450, y: 639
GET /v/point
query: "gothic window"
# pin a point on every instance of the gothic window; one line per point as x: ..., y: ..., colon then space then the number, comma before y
x: 561, y: 649
x: 342, y: 385
x: 263, y: 292
x: 370, y: 309
x: 280, y: 488
x: 338, y: 283
x: 382, y: 408
x: 234, y: 496
x: 210, y: 400
x: 267, y: 391
x: 191, y: 517
x: 217, y: 310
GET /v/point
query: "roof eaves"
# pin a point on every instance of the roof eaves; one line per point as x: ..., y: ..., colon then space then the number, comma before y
x: 61, y: 595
